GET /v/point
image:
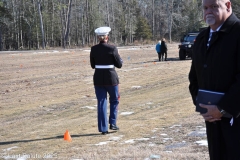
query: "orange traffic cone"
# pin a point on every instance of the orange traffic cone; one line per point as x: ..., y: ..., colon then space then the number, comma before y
x: 67, y: 136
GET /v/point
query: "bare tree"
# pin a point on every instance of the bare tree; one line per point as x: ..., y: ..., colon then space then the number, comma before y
x: 41, y: 22
x: 169, y: 11
x: 4, y: 13
x: 153, y: 12
x: 67, y: 23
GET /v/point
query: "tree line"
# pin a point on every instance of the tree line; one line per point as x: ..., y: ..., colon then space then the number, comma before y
x: 40, y: 24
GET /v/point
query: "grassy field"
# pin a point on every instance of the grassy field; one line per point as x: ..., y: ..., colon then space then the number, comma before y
x: 45, y: 93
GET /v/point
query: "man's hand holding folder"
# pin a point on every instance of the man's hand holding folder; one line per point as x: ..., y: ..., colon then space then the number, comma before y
x: 206, y: 104
x: 212, y: 113
x: 208, y: 98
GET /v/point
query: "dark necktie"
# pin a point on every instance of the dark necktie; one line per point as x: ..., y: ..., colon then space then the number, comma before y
x: 213, y: 37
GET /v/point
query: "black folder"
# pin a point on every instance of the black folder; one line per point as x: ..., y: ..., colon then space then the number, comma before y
x: 207, y: 97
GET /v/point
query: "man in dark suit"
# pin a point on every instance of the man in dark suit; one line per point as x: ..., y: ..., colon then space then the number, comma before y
x: 104, y: 58
x: 216, y: 67
x: 164, y: 48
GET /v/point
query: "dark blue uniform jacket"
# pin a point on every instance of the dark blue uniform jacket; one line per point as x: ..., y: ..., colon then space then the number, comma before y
x: 105, y: 54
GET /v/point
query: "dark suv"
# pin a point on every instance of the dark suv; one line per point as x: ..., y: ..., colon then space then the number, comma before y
x: 186, y: 46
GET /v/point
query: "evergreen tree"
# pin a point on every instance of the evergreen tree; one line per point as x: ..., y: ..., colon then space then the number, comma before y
x: 236, y: 7
x: 4, y: 14
x: 143, y: 30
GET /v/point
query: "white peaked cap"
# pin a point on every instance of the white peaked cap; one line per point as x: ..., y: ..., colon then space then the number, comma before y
x: 102, y: 31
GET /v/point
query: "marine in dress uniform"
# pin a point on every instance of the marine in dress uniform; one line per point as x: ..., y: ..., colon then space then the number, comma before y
x: 104, y: 58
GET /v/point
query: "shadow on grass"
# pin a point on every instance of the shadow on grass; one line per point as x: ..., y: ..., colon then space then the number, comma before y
x: 57, y: 137
x: 171, y: 59
x: 156, y: 60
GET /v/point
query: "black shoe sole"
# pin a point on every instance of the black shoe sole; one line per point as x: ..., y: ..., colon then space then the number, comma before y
x: 113, y: 128
x: 104, y: 133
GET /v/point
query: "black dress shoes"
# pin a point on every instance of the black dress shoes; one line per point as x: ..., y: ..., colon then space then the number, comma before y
x: 113, y: 127
x: 104, y: 133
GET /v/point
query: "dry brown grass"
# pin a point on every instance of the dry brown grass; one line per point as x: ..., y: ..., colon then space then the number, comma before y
x: 45, y: 93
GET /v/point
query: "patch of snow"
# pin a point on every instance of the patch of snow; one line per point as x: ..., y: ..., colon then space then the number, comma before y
x: 101, y: 143
x: 126, y: 113
x: 175, y: 126
x: 202, y: 142
x: 114, y: 138
x: 151, y: 145
x: 155, y: 157
x: 163, y: 134
x: 8, y: 149
x: 130, y: 141
x: 136, y: 87
x: 149, y: 103
x: 142, y: 139
x: 176, y: 145
x: 89, y: 107
x: 133, y: 48
x: 203, y: 129
x: 197, y: 134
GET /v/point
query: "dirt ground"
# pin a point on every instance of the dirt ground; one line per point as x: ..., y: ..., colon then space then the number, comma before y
x: 46, y: 93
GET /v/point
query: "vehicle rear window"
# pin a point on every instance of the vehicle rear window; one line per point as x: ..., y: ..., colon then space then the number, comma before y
x: 190, y: 39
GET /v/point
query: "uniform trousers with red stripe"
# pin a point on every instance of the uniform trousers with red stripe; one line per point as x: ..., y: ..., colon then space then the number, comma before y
x: 101, y: 93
